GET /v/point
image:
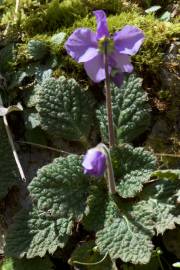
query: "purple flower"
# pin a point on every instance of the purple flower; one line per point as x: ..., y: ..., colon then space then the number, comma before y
x: 94, y: 162
x: 88, y: 47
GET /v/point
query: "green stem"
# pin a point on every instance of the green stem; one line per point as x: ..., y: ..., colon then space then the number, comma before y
x: 95, y: 263
x: 160, y: 263
x: 109, y: 102
x: 110, y: 172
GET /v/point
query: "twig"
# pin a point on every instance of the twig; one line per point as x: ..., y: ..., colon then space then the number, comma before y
x: 44, y: 147
x: 95, y: 263
x: 168, y: 155
x: 13, y: 148
x: 17, y: 6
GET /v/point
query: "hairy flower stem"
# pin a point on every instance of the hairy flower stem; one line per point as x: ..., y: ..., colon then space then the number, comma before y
x: 109, y: 102
x: 110, y: 172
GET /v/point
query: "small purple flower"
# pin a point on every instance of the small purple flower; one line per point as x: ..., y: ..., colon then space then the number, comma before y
x: 87, y: 47
x: 94, y: 162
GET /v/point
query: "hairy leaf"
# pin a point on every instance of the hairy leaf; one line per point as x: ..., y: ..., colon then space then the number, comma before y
x: 125, y: 227
x: 36, y: 232
x: 153, y: 264
x: 65, y: 109
x: 133, y: 167
x: 161, y: 197
x: 124, y: 237
x: 124, y: 230
x: 61, y: 187
x: 31, y: 119
x: 58, y: 38
x: 37, y: 49
x: 130, y: 111
x: 9, y: 176
x: 96, y: 208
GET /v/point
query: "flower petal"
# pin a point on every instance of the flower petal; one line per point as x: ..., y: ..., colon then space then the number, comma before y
x: 95, y: 68
x: 102, y: 28
x: 128, y: 40
x: 121, y: 61
x: 118, y: 78
x: 94, y: 162
x: 82, y: 45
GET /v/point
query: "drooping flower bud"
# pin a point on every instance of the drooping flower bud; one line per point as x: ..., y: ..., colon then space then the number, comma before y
x: 94, y: 162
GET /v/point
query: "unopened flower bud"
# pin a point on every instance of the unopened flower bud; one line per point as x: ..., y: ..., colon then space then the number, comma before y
x: 94, y: 162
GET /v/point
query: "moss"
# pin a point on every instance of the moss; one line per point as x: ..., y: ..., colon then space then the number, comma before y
x: 110, y: 6
x: 57, y: 14
x: 54, y: 15
x: 149, y: 3
x: 157, y: 35
x: 68, y: 15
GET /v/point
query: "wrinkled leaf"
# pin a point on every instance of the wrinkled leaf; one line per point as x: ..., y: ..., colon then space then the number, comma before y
x: 37, y: 49
x: 61, y: 187
x: 65, y: 109
x: 35, y: 232
x: 57, y: 39
x: 133, y: 167
x: 130, y: 111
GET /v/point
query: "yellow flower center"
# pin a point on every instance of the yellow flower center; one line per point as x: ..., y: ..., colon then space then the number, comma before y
x: 106, y: 44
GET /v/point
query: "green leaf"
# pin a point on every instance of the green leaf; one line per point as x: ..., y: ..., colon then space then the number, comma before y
x: 65, y: 109
x: 61, y: 187
x: 22, y: 264
x: 166, y: 16
x: 43, y: 73
x: 153, y: 264
x: 177, y: 264
x: 90, y: 258
x: 9, y: 175
x: 161, y: 197
x: 128, y: 229
x: 96, y: 208
x: 125, y: 228
x: 125, y: 238
x: 32, y: 98
x: 167, y: 174
x: 36, y: 232
x: 152, y: 9
x: 59, y: 192
x: 37, y: 49
x: 7, y: 265
x: 133, y: 167
x: 130, y: 111
x: 31, y: 119
x: 57, y: 39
